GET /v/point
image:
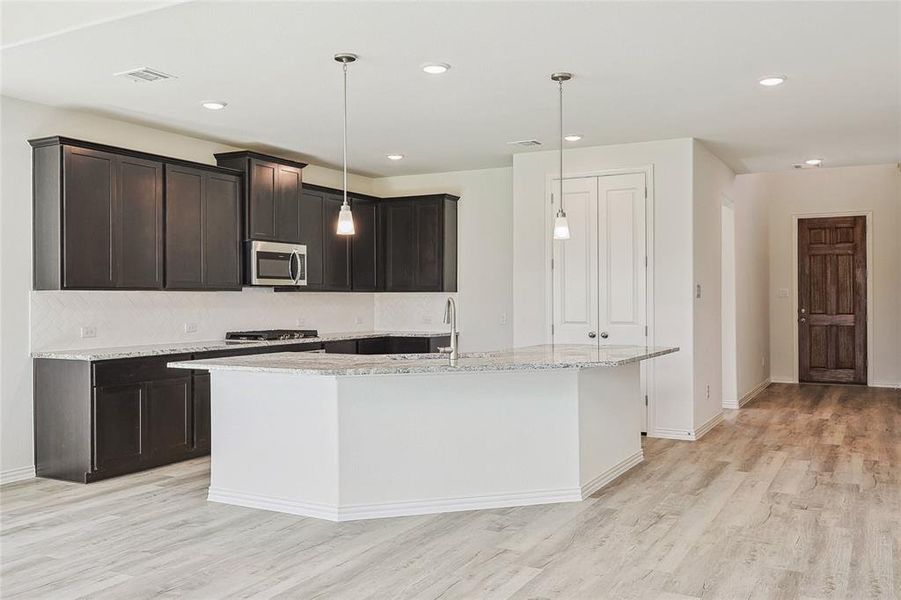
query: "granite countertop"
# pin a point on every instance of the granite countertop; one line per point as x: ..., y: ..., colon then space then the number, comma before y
x: 560, y: 356
x: 213, y: 345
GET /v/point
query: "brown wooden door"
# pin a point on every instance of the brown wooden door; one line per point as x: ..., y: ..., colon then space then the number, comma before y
x: 832, y: 300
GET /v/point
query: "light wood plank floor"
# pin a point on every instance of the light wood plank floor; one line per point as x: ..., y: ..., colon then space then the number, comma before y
x: 798, y: 495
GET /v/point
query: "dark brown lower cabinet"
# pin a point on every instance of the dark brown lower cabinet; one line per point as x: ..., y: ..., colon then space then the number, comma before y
x: 171, y: 429
x: 120, y: 431
x: 99, y: 419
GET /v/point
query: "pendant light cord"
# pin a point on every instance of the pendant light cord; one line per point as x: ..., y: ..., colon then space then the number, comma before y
x: 345, y: 134
x: 560, y: 85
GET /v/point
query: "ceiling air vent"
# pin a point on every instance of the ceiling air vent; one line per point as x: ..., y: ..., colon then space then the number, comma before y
x: 145, y: 74
x: 526, y: 143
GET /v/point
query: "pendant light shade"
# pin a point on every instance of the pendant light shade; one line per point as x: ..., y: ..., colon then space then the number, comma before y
x: 345, y: 218
x: 346, y: 221
x: 561, y: 225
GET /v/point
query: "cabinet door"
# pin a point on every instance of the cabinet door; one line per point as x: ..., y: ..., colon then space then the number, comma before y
x: 287, y: 204
x: 261, y: 211
x: 184, y: 239
x: 399, y: 241
x: 429, y: 243
x: 364, y: 245
x: 341, y: 347
x: 170, y: 409
x: 221, y: 232
x: 311, y: 223
x: 119, y: 426
x: 138, y: 240
x: 89, y: 189
x: 372, y: 346
x: 201, y: 410
x: 336, y: 248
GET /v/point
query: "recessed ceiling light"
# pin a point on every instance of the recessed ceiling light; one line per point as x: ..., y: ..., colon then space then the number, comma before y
x: 435, y: 68
x: 814, y: 162
x: 572, y: 138
x: 773, y: 80
x: 395, y: 156
x: 214, y: 105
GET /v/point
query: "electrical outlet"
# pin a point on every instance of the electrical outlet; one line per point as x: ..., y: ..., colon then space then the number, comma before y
x: 503, y: 319
x: 782, y: 293
x: 427, y: 319
x: 697, y: 290
x: 708, y: 391
x: 88, y: 331
x: 190, y: 327
x: 358, y: 320
x: 300, y: 322
x: 763, y: 361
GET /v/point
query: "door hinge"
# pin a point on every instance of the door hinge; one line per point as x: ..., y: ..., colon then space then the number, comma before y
x: 552, y: 330
x: 645, y: 331
x: 645, y: 399
x: 645, y: 192
x: 552, y: 199
x: 552, y: 264
x: 646, y: 261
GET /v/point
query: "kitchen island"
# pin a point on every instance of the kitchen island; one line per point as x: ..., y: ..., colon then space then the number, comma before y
x: 345, y: 437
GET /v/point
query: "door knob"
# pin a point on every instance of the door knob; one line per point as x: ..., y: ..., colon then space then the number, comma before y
x: 604, y: 335
x: 592, y: 334
x: 803, y: 320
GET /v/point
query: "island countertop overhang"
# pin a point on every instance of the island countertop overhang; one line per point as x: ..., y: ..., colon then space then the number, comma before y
x: 540, y: 357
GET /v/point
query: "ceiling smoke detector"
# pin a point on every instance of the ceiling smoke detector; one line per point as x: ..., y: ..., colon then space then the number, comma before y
x: 526, y: 143
x: 145, y: 74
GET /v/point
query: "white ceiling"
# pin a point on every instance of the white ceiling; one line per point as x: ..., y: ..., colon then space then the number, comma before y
x: 643, y: 71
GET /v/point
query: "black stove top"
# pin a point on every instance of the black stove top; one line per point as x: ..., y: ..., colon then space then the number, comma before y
x: 272, y: 334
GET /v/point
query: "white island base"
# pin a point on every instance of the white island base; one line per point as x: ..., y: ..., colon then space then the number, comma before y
x: 358, y: 447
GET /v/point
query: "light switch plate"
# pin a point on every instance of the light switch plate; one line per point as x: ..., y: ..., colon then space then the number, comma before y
x: 782, y: 293
x: 190, y: 327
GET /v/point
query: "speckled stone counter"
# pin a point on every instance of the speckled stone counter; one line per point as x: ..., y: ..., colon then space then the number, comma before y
x: 561, y: 356
x: 213, y: 345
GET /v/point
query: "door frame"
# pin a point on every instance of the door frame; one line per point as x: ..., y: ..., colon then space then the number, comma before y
x: 550, y: 185
x: 868, y: 214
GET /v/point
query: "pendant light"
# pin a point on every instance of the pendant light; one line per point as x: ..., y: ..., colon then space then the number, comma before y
x: 561, y: 225
x: 345, y: 219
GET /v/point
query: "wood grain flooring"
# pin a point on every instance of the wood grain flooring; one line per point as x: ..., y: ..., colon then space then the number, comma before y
x: 797, y: 495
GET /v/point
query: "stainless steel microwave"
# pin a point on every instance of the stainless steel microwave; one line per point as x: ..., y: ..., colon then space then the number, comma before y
x: 273, y: 263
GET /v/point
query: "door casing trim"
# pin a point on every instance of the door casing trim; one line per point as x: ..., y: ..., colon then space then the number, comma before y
x: 871, y: 317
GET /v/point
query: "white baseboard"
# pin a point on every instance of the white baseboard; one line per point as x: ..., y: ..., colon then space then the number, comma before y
x: 749, y: 396
x: 13, y: 475
x: 354, y: 512
x: 393, y: 509
x: 783, y: 380
x: 671, y: 434
x: 710, y: 424
x: 885, y: 384
x: 611, y: 474
x: 687, y: 435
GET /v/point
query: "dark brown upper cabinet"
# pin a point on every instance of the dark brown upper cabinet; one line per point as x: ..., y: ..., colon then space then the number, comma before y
x: 203, y: 229
x: 336, y: 248
x: 273, y: 188
x: 364, y: 244
x: 98, y: 217
x: 418, y: 239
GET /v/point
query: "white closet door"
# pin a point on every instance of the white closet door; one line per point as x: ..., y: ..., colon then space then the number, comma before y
x: 576, y: 264
x: 621, y: 247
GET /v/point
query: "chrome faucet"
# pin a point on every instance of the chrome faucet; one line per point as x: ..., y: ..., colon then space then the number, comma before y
x: 450, y: 318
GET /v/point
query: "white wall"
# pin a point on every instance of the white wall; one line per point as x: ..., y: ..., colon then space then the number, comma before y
x: 711, y: 182
x: 485, y: 253
x: 20, y: 121
x: 752, y: 284
x: 727, y: 302
x: 875, y: 189
x: 673, y: 412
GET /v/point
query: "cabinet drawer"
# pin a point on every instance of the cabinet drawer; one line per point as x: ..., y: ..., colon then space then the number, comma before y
x: 133, y: 370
